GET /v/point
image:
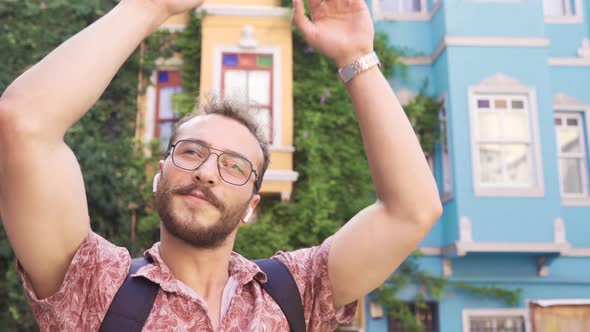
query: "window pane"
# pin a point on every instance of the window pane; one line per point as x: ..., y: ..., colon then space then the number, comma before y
x: 165, y: 133
x: 410, y: 6
x: 571, y: 175
x: 166, y: 106
x: 554, y: 7
x: 517, y: 104
x: 259, y: 87
x: 516, y: 126
x: 247, y: 60
x: 234, y: 85
x: 490, y: 160
x: 497, y: 324
x: 263, y: 118
x: 568, y: 139
x: 500, y: 103
x: 489, y: 125
x: 483, y: 103
x: 264, y: 61
x: 230, y: 60
x: 390, y: 6
x: 518, y: 165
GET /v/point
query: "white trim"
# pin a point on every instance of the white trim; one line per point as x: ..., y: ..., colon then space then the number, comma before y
x: 512, y: 247
x: 577, y: 18
x: 277, y: 81
x: 558, y: 302
x: 577, y: 252
x: 447, y: 41
x: 150, y: 108
x: 569, y: 62
x: 168, y: 63
x: 234, y: 10
x: 462, y: 248
x: 500, y: 84
x: 280, y: 176
x: 423, y: 15
x: 492, y: 312
x: 172, y: 27
x: 282, y: 148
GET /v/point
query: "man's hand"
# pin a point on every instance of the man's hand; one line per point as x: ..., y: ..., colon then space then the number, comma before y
x: 340, y: 29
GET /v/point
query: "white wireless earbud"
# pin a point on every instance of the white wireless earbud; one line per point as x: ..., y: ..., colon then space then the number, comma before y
x: 248, y: 215
x: 155, y: 184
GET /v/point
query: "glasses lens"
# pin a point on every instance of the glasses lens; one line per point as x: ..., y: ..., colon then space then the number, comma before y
x: 234, y: 169
x: 189, y: 155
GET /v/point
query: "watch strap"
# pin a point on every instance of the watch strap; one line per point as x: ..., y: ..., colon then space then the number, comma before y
x: 363, y: 63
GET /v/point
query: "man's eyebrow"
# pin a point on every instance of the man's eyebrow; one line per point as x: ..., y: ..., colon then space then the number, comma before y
x: 200, y: 141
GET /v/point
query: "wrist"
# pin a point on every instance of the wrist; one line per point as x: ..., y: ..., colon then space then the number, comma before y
x: 358, y: 66
x: 153, y: 14
x: 349, y: 58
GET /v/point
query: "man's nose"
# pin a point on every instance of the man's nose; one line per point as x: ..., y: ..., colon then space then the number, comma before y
x: 208, y: 173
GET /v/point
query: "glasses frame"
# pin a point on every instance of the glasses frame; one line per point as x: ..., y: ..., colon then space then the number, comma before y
x: 218, y: 154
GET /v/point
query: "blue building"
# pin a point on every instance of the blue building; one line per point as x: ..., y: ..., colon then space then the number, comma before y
x: 513, y: 171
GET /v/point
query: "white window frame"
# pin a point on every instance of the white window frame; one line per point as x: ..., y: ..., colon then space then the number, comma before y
x: 467, y: 313
x: 572, y: 15
x: 218, y: 52
x: 422, y: 15
x: 566, y: 104
x: 501, y: 85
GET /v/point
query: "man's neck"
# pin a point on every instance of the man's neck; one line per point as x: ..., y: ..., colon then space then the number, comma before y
x: 203, y: 270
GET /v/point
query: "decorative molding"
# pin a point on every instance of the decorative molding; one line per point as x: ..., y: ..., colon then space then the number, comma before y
x: 248, y: 41
x: 493, y: 312
x: 172, y: 27
x: 584, y: 50
x: 501, y: 82
x: 465, y: 230
x: 511, y: 247
x: 280, y: 176
x: 561, y: 101
x: 447, y: 41
x: 462, y: 248
x: 234, y: 10
x: 577, y: 252
x: 559, y: 231
x: 569, y: 62
x: 447, y: 267
x: 169, y: 63
x: 575, y: 201
x: 281, y: 148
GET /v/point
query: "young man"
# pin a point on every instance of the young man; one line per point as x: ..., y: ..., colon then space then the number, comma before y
x: 205, y: 186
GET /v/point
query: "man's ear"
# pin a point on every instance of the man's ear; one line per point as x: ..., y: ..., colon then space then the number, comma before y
x: 253, y: 203
x: 157, y: 176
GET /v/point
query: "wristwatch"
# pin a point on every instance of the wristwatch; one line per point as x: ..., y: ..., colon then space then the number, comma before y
x: 365, y: 62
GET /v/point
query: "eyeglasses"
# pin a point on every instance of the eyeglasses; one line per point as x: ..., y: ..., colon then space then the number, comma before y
x: 233, y: 169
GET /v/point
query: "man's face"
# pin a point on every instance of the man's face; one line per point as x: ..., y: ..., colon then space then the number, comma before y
x: 198, y: 206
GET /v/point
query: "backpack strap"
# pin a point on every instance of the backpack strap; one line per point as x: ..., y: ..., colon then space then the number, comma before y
x: 132, y: 303
x: 281, y: 286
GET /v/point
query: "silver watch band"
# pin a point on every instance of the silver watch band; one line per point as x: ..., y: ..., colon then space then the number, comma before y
x: 365, y: 62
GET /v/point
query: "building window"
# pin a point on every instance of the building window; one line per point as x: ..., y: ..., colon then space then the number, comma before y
x: 249, y: 78
x: 495, y: 320
x: 558, y: 7
x: 503, y: 141
x: 426, y: 315
x: 401, y: 6
x: 571, y: 152
x: 168, y: 84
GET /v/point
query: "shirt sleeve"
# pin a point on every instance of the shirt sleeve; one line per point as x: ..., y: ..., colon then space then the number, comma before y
x: 309, y: 268
x: 97, y: 271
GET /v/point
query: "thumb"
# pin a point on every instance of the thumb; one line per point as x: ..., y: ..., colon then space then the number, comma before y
x: 302, y: 21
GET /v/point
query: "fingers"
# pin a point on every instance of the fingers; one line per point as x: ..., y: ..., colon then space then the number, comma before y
x: 302, y: 21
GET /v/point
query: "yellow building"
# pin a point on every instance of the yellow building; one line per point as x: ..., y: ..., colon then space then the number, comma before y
x: 247, y: 55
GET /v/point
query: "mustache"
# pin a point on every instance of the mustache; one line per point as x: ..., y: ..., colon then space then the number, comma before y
x: 209, y: 195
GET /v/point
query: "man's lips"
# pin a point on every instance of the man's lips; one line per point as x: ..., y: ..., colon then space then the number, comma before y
x: 201, y: 196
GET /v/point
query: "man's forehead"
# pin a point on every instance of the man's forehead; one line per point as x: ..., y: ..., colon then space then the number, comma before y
x: 221, y: 133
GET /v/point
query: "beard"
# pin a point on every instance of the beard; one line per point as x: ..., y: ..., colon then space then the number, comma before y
x: 187, y: 227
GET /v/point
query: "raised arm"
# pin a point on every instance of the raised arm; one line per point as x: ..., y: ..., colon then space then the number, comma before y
x: 42, y: 197
x: 378, y: 239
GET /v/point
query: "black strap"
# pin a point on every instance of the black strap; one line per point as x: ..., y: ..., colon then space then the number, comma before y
x: 134, y: 300
x: 132, y: 303
x: 281, y: 286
